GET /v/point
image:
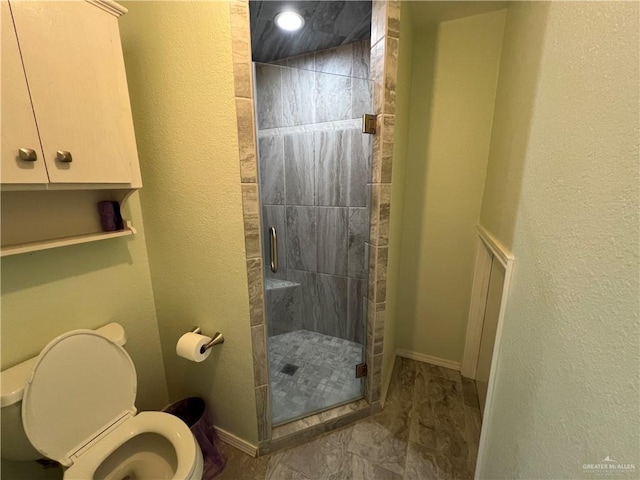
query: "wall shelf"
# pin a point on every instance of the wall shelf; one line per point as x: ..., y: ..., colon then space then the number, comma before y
x: 63, y: 242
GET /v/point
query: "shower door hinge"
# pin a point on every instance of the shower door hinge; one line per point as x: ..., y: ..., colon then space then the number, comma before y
x: 369, y: 124
x: 361, y: 370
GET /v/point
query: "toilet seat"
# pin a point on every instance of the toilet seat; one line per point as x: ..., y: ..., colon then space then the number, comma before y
x: 164, y: 424
x: 78, y: 406
x: 80, y: 385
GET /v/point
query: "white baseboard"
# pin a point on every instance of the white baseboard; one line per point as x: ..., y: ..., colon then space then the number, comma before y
x: 237, y: 442
x: 421, y: 357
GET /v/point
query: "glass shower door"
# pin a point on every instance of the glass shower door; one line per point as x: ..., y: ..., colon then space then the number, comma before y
x: 314, y: 173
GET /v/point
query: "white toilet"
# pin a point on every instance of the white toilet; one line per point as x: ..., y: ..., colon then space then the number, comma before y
x: 77, y: 407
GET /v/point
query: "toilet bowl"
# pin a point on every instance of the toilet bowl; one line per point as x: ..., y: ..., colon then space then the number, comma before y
x: 149, y: 445
x: 78, y: 409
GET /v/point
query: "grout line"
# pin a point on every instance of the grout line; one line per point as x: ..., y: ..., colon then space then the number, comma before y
x: 285, y: 156
x: 328, y: 126
x: 311, y: 206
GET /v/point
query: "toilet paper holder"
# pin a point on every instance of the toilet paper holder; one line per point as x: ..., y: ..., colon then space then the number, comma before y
x: 217, y: 339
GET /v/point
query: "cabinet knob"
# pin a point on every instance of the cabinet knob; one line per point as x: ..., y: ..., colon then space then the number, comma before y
x: 27, y: 154
x: 64, y: 156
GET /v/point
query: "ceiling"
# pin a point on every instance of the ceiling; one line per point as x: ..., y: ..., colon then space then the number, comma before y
x: 327, y: 24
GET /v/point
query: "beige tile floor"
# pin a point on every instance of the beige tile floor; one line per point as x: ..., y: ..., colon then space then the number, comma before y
x: 429, y: 429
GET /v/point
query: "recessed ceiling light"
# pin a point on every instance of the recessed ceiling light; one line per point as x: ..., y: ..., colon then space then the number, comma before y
x: 289, y: 21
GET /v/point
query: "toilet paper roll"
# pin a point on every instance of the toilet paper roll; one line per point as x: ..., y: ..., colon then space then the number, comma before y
x: 190, y: 346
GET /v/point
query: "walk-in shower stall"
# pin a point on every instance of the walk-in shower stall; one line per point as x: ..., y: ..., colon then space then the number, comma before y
x: 314, y: 168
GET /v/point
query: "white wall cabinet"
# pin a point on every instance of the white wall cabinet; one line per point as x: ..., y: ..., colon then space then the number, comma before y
x: 66, y: 126
x: 18, y: 123
x: 72, y: 59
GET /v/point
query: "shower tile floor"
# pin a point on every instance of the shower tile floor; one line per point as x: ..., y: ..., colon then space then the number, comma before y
x: 324, y: 377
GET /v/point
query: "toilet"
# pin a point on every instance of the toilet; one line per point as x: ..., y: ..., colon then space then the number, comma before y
x: 77, y: 407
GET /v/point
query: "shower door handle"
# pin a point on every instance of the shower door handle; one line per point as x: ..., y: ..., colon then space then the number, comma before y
x: 273, y: 239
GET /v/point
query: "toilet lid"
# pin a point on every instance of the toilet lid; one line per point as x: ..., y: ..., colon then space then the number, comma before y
x: 81, y: 384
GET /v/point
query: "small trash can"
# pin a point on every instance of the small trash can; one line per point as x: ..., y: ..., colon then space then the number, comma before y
x: 194, y: 412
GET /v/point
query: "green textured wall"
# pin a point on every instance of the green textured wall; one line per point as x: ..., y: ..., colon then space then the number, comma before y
x: 178, y: 59
x: 562, y: 192
x: 453, y: 83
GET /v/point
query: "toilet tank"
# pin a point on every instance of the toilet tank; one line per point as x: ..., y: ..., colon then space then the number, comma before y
x: 14, y: 441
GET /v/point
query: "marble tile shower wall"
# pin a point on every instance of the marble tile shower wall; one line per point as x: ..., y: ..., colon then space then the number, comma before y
x: 325, y: 86
x: 314, y: 167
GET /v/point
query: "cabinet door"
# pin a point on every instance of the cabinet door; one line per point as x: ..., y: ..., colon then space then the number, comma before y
x: 73, y: 61
x: 18, y: 123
